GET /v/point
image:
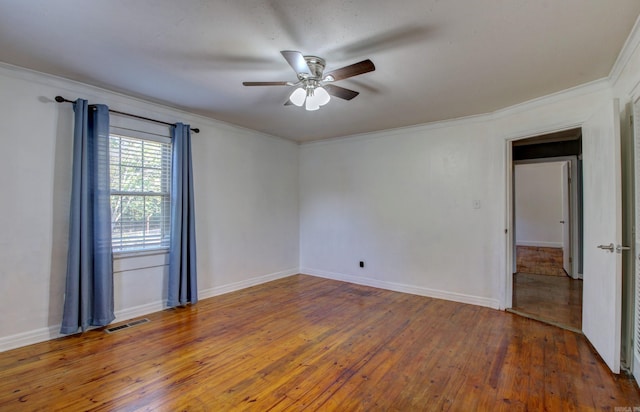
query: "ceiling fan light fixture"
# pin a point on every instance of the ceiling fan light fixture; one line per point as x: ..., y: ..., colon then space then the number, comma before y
x: 298, y: 96
x: 310, y: 88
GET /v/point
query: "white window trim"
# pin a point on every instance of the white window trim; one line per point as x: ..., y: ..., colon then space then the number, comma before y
x: 127, y: 127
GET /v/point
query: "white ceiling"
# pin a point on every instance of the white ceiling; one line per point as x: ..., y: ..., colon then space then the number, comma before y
x: 435, y: 59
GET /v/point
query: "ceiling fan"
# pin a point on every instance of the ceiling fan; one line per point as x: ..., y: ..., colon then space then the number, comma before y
x: 314, y: 87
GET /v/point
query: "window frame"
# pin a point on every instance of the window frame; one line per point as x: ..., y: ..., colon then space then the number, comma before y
x: 140, y: 249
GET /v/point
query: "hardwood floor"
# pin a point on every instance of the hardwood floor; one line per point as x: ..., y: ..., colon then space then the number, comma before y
x: 539, y: 260
x: 542, y: 289
x: 310, y: 343
x: 549, y: 298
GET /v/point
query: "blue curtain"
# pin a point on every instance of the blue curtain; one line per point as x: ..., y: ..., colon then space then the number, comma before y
x: 89, y: 288
x: 183, y: 285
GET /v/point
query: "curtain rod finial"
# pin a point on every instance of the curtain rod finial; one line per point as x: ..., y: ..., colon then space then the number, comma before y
x: 195, y: 130
x: 60, y: 99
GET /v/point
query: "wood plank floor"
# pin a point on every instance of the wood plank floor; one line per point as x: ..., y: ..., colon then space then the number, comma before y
x: 539, y: 260
x: 309, y: 343
x: 550, y: 298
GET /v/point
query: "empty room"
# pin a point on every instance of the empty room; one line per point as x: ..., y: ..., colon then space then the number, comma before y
x: 290, y: 205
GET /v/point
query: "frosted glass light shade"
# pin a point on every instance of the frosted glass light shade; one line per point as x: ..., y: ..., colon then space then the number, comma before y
x: 311, y: 104
x: 321, y: 96
x: 298, y: 96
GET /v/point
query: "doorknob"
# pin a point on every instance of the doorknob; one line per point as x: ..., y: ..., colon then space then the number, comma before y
x: 620, y: 248
x: 562, y: 221
x: 608, y: 247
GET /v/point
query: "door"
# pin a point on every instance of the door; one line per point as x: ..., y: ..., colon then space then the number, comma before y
x: 627, y: 150
x: 602, y: 282
x: 566, y: 219
x: 635, y: 237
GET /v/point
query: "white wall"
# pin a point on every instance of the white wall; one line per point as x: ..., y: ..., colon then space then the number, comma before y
x: 538, y: 204
x: 246, y: 186
x: 403, y: 200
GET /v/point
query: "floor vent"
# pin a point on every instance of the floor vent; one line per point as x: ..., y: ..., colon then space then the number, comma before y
x: 127, y: 325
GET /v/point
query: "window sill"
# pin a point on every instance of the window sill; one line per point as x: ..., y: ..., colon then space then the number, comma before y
x: 140, y: 253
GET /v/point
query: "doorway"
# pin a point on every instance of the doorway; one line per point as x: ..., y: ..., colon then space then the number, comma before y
x: 602, y: 187
x: 547, y: 204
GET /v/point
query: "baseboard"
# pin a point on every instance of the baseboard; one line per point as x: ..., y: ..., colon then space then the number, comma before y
x: 53, y: 332
x: 232, y: 287
x: 534, y: 243
x: 30, y: 337
x: 400, y: 287
x: 134, y: 312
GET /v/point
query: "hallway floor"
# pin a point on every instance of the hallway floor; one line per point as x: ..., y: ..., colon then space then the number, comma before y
x: 542, y: 290
x: 552, y: 299
x: 539, y: 260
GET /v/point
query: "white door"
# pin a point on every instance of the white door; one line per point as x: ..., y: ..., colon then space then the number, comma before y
x: 602, y: 285
x: 566, y: 220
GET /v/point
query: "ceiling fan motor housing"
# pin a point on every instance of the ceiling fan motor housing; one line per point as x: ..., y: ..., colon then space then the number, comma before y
x: 316, y: 67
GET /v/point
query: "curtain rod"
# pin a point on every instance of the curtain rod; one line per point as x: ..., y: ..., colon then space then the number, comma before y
x: 61, y: 99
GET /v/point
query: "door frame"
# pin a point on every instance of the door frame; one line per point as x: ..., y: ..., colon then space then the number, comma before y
x: 507, y: 295
x: 568, y: 249
x: 574, y: 223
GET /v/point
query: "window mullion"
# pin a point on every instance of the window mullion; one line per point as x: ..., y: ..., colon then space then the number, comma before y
x: 125, y: 193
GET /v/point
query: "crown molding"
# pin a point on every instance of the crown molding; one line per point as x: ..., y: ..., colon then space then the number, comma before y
x: 628, y: 49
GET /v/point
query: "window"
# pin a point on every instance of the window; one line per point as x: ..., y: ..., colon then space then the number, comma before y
x: 140, y: 192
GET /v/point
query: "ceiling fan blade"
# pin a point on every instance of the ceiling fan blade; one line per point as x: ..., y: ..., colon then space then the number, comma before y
x: 392, y: 39
x: 340, y: 92
x: 265, y: 83
x: 296, y: 61
x: 355, y: 69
